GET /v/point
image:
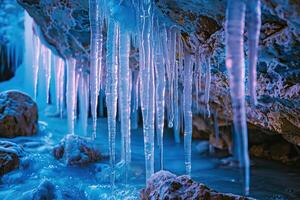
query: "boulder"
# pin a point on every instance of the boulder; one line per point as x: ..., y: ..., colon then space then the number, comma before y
x: 10, y: 154
x: 75, y: 150
x: 18, y: 115
x: 165, y: 185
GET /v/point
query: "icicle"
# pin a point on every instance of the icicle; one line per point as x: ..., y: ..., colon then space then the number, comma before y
x: 147, y: 86
x: 134, y: 99
x: 71, y: 94
x: 172, y: 57
x: 124, y: 90
x: 36, y: 63
x: 59, y: 84
x: 46, y: 53
x: 198, y: 78
x: 254, y: 24
x: 207, y: 87
x: 94, y: 59
x: 83, y: 101
x: 234, y: 29
x: 160, y: 94
x: 187, y: 110
x: 216, y: 127
x: 111, y: 92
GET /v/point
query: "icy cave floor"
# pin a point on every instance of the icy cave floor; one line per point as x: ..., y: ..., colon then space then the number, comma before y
x: 269, y: 180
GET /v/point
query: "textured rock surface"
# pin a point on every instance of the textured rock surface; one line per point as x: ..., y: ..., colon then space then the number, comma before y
x: 202, y: 26
x: 18, y: 114
x: 9, y: 156
x: 165, y: 185
x: 75, y: 150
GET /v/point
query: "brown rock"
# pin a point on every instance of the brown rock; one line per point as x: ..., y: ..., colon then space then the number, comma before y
x: 18, y: 115
x: 165, y: 185
x: 9, y: 156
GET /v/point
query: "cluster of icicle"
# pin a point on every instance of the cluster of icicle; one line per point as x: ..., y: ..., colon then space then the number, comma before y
x: 161, y: 85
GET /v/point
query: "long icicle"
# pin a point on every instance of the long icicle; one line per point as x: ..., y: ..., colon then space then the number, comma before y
x: 187, y: 109
x: 147, y: 84
x: 234, y: 29
x: 207, y: 87
x: 94, y: 60
x: 83, y: 101
x: 36, y: 63
x: 111, y: 93
x: 71, y: 94
x: 47, y: 68
x: 160, y: 94
x: 254, y: 23
x: 125, y: 96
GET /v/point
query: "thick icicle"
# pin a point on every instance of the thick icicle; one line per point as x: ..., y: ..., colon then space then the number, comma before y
x: 83, y: 101
x: 36, y: 63
x: 59, y: 84
x: 46, y: 53
x: 124, y: 90
x: 71, y: 94
x: 207, y: 87
x: 254, y: 23
x: 111, y: 92
x: 134, y: 99
x: 187, y: 110
x: 234, y: 29
x: 94, y: 59
x: 147, y: 85
x: 160, y: 94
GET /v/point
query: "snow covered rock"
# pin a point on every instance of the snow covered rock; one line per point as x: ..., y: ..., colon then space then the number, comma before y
x: 9, y: 156
x: 165, y: 185
x: 75, y: 150
x: 18, y: 115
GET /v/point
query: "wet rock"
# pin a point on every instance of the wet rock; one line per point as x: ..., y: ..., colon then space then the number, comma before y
x: 165, y: 185
x: 18, y: 115
x: 75, y: 150
x: 10, y: 154
x: 48, y: 191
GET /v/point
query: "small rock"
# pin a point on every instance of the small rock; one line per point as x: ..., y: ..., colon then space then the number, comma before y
x: 10, y: 154
x: 76, y: 150
x: 18, y: 115
x: 165, y: 185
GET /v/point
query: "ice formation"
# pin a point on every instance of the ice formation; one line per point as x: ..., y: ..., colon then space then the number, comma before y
x: 162, y: 83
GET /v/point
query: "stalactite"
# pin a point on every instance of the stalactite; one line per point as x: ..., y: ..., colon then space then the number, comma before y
x: 234, y: 29
x: 59, y: 84
x: 254, y: 23
x: 187, y: 110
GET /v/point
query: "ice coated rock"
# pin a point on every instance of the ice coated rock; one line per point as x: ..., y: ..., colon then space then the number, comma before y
x: 165, y: 185
x: 75, y: 150
x: 18, y: 115
x: 9, y: 156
